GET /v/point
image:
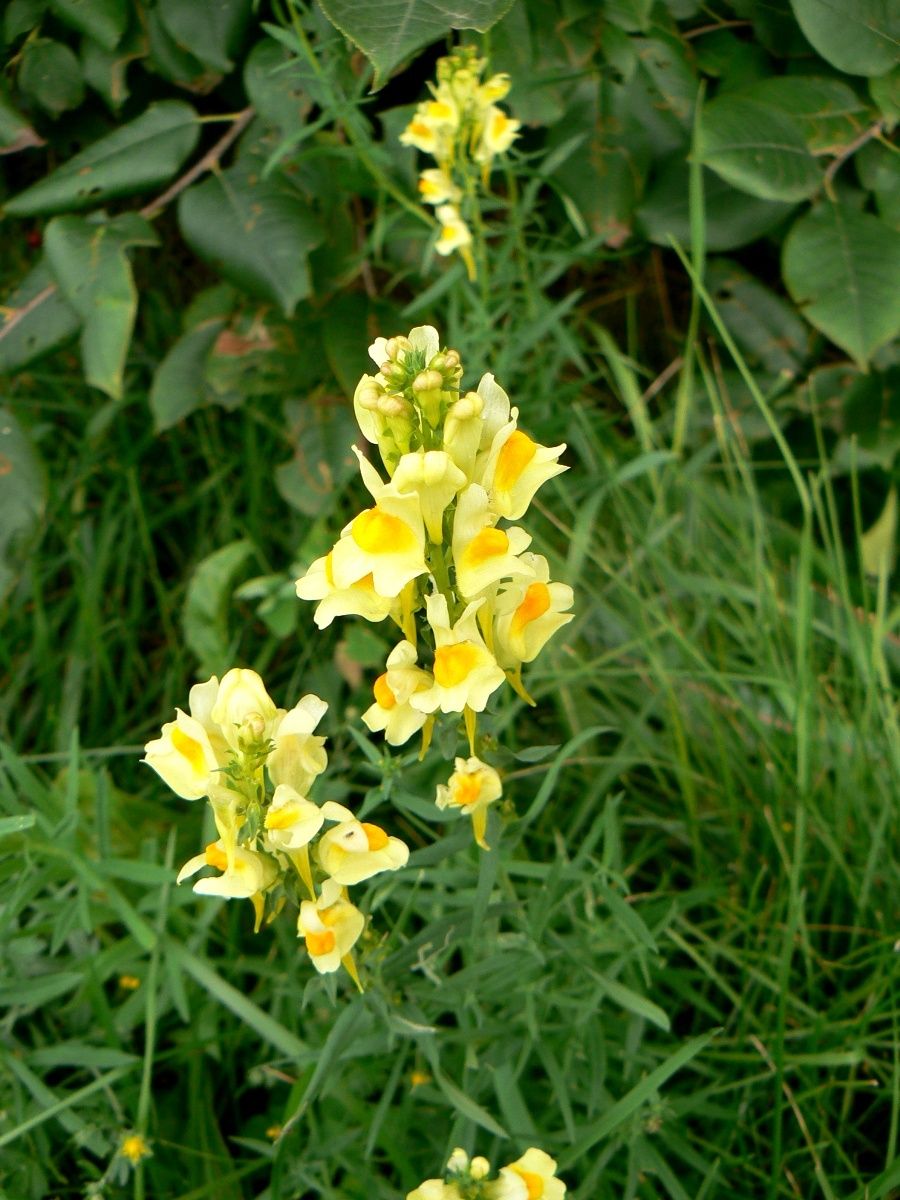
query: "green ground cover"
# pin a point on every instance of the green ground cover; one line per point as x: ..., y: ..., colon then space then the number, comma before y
x: 676, y: 972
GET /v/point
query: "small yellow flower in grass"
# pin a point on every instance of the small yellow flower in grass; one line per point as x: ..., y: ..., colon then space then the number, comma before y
x: 425, y: 135
x: 291, y: 820
x: 436, y: 187
x: 356, y: 850
x: 528, y: 613
x: 459, y: 1163
x: 531, y: 1177
x: 183, y: 757
x: 129, y: 983
x: 358, y: 599
x: 494, y: 89
x: 516, y: 467
x: 498, y: 134
x: 465, y: 671
x: 472, y: 788
x: 331, y: 927
x: 483, y: 554
x: 298, y: 756
x: 455, y: 233
x: 434, y: 477
x: 392, y: 711
x: 135, y: 1148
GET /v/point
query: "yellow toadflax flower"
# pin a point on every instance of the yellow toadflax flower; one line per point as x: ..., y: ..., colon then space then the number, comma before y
x: 358, y: 599
x: 291, y: 821
x: 531, y: 1177
x: 386, y: 542
x: 483, y: 554
x: 465, y: 672
x: 516, y: 467
x: 436, y: 187
x: 356, y: 850
x: 498, y: 134
x: 331, y: 927
x: 183, y: 757
x: 472, y: 787
x: 455, y: 233
x: 527, y: 614
x: 392, y: 712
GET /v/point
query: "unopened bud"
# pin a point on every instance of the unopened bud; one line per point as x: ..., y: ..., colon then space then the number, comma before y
x: 428, y: 381
x: 252, y: 728
x: 368, y: 395
x: 396, y: 347
x: 393, y: 373
x: 393, y: 406
x: 467, y: 406
x: 452, y: 360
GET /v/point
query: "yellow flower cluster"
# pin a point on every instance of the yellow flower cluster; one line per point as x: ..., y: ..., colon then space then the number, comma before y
x: 460, y: 125
x: 531, y: 1177
x: 471, y: 600
x: 256, y: 764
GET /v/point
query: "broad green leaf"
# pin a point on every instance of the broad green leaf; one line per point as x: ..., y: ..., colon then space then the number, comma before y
x: 50, y: 76
x: 21, y: 16
x: 257, y: 232
x: 274, y: 86
x: 144, y: 153
x: 885, y: 92
x: 210, y: 31
x: 767, y: 329
x: 732, y: 218
x: 878, y: 168
x: 178, y: 385
x: 829, y: 113
x: 15, y: 131
x: 758, y: 148
x: 22, y: 495
x: 168, y: 59
x: 861, y: 37
x: 388, y: 31
x: 842, y: 267
x: 206, y: 606
x: 91, y: 265
x: 871, y: 416
x: 631, y: 15
x: 734, y: 62
x: 36, y: 318
x: 102, y: 20
x: 323, y: 463
x: 106, y: 70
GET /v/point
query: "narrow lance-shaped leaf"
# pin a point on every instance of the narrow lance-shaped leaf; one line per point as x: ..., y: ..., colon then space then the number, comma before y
x: 91, y: 264
x: 144, y: 153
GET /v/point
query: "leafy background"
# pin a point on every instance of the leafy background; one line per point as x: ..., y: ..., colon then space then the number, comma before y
x: 677, y: 972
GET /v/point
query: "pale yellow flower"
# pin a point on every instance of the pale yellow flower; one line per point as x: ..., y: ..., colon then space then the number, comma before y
x: 528, y: 613
x: 243, y: 709
x: 297, y: 756
x: 465, y: 671
x: 356, y: 850
x: 516, y: 467
x: 531, y: 1177
x: 494, y: 89
x: 291, y: 820
x: 483, y: 554
x: 135, y: 1147
x: 331, y: 927
x: 392, y: 711
x: 455, y: 233
x: 498, y: 134
x: 249, y: 874
x: 434, y: 1189
x: 358, y: 599
x: 471, y: 788
x: 435, y: 479
x: 436, y: 187
x: 183, y: 757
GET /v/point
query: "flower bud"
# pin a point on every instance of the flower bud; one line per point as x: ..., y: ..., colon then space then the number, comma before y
x: 428, y: 381
x: 393, y: 373
x: 466, y: 407
x: 396, y: 347
x: 368, y: 395
x: 394, y: 406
